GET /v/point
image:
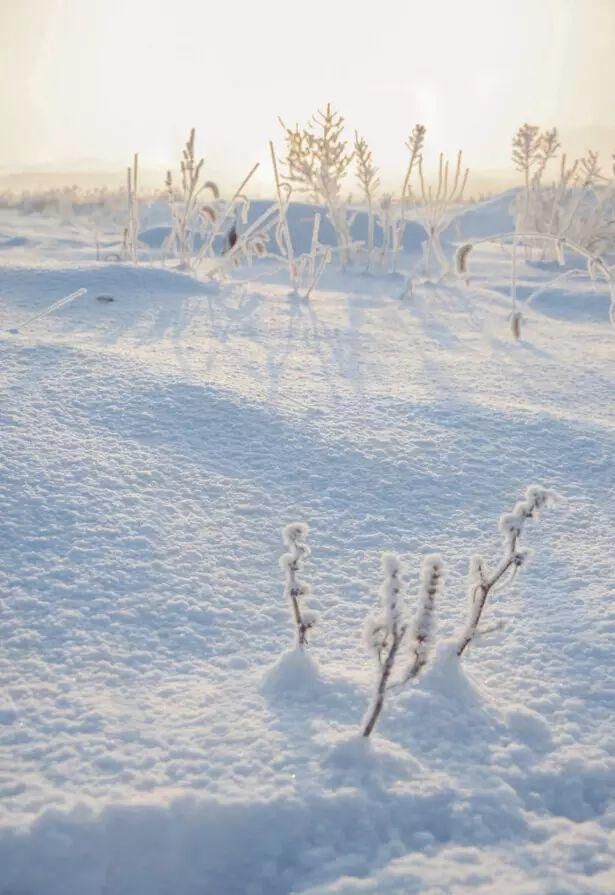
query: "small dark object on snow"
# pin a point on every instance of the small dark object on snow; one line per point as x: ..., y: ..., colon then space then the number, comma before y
x: 231, y: 236
x: 112, y: 256
x: 104, y: 298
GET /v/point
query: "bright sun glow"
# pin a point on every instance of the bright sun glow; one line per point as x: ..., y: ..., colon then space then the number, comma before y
x: 91, y: 81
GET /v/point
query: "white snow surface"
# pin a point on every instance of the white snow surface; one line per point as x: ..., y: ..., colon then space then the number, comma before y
x: 158, y: 732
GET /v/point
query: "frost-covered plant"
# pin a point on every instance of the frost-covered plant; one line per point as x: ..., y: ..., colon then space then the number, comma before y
x: 393, y: 216
x: 305, y: 270
x: 283, y: 235
x: 367, y: 175
x: 596, y: 266
x: 526, y: 151
x: 579, y: 205
x: 186, y: 213
x: 438, y: 206
x: 226, y: 221
x: 316, y: 162
x: 481, y: 580
x: 294, y: 538
x: 386, y: 219
x: 250, y: 243
x: 414, y: 144
x: 131, y: 230
x: 386, y: 630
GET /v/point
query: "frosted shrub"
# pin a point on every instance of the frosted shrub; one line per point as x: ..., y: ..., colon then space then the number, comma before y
x: 316, y: 162
x: 294, y: 538
x: 481, y: 580
x: 387, y: 630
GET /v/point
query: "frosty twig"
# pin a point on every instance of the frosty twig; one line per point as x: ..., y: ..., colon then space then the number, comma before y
x: 385, y: 631
x: 291, y: 562
x: 481, y: 580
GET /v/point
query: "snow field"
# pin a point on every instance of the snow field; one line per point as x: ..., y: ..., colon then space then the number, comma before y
x: 157, y: 732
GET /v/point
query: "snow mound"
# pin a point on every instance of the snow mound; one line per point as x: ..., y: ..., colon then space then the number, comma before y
x: 295, y: 675
x: 123, y: 280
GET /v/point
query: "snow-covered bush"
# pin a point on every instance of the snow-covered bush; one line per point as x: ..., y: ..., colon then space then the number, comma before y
x: 481, y: 580
x: 386, y: 631
x: 316, y: 162
x: 294, y: 538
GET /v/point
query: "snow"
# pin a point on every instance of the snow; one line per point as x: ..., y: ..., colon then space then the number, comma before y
x: 158, y: 731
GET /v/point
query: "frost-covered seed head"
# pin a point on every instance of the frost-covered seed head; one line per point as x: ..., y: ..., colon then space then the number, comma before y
x: 391, y: 564
x: 310, y: 618
x: 461, y: 258
x: 374, y: 631
x: 515, y: 324
x: 301, y: 588
x: 538, y: 496
x: 390, y: 589
x: 511, y: 524
x: 286, y: 561
x: 296, y: 531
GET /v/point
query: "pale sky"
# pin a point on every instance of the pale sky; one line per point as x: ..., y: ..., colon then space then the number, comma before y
x: 100, y: 79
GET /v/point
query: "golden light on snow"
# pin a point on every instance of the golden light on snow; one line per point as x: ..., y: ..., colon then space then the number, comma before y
x: 85, y: 80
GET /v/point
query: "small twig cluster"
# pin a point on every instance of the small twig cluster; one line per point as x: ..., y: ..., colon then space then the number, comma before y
x: 483, y: 581
x: 186, y: 213
x: 304, y: 270
x: 386, y: 631
x: 437, y: 204
x: 395, y: 640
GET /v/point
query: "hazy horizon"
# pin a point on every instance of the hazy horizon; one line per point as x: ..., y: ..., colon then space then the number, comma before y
x: 93, y: 84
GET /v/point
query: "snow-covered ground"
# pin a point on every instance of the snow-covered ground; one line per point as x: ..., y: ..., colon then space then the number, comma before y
x: 156, y: 734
